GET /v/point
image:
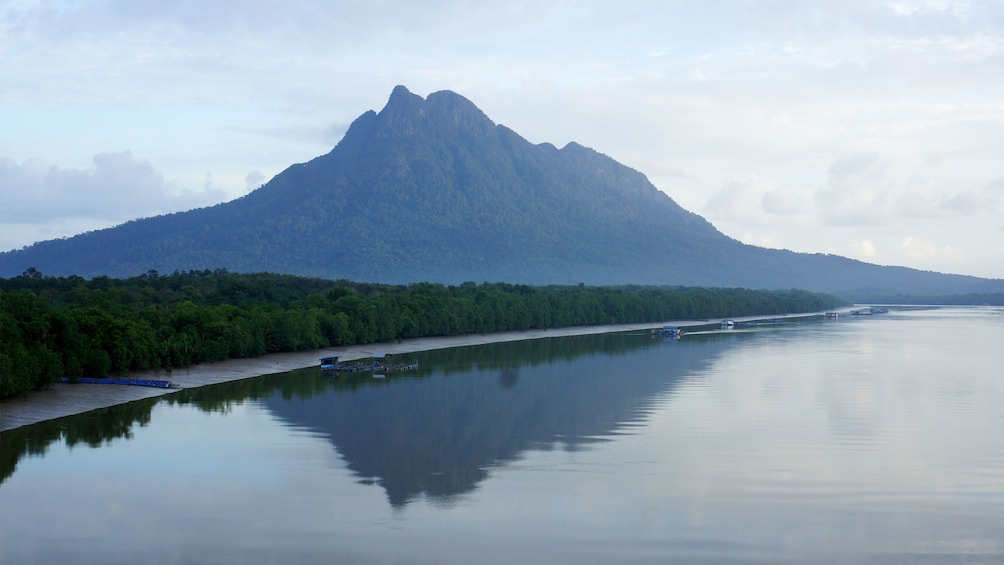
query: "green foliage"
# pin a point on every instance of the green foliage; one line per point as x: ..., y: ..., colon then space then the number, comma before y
x: 56, y: 327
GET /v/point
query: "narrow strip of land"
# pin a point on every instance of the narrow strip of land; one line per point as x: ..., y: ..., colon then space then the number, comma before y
x: 68, y: 399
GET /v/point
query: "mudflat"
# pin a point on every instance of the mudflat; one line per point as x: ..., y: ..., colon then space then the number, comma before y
x: 69, y: 399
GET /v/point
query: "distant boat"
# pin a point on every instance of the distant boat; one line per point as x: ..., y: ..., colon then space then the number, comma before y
x: 728, y: 324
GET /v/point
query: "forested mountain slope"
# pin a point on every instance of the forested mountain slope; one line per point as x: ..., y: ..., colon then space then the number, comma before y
x: 433, y: 190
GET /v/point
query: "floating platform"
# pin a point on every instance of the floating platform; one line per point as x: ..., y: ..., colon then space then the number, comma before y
x: 366, y: 368
x: 870, y: 311
x: 668, y: 332
x: 672, y: 331
x: 331, y: 366
x: 114, y: 381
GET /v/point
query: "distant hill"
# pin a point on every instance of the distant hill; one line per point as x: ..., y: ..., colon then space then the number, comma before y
x: 433, y: 190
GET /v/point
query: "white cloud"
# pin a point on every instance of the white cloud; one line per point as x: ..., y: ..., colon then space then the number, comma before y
x: 959, y: 8
x: 856, y: 192
x: 922, y: 198
x: 254, y: 180
x: 751, y: 200
x: 737, y: 198
x: 781, y: 203
x: 968, y: 203
x: 918, y: 249
x: 759, y: 240
x: 118, y: 187
x: 864, y: 250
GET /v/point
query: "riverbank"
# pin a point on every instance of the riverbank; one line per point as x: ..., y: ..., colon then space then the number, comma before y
x: 69, y: 399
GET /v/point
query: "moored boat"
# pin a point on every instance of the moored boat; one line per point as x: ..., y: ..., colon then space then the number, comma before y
x: 329, y: 364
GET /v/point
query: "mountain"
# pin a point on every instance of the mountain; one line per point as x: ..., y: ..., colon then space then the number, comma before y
x: 433, y: 190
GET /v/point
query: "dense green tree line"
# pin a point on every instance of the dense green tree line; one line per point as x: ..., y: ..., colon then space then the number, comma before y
x: 55, y: 327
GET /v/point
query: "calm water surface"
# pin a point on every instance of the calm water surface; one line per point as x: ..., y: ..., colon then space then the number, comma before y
x: 859, y: 440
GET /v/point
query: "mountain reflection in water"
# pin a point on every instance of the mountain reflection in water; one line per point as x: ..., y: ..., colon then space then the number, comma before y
x: 439, y: 434
x: 438, y: 431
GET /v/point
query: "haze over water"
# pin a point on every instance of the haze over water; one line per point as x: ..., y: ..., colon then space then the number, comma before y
x: 872, y: 439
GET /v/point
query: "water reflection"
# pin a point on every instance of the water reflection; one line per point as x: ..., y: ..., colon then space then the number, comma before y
x: 505, y: 391
x: 861, y: 441
x: 94, y: 429
x: 438, y: 436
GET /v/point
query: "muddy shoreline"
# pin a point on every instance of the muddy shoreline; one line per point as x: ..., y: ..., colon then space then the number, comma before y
x: 69, y: 399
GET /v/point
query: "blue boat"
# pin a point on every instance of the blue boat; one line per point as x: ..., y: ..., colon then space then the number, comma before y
x: 116, y: 381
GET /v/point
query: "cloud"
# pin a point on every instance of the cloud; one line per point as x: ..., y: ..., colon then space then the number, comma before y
x: 300, y: 133
x: 968, y: 203
x: 921, y: 198
x: 737, y: 199
x: 759, y: 240
x: 753, y: 200
x: 856, y: 192
x: 916, y: 248
x: 961, y: 9
x: 780, y: 203
x: 254, y: 180
x: 864, y: 249
x: 118, y: 187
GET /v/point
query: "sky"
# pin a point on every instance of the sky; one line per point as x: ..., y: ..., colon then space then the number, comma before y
x: 867, y: 129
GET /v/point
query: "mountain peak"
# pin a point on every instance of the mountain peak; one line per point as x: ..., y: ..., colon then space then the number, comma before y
x: 399, y: 91
x: 401, y: 97
x: 401, y: 104
x: 405, y: 111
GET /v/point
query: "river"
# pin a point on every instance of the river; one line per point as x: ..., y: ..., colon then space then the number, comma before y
x: 863, y: 439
